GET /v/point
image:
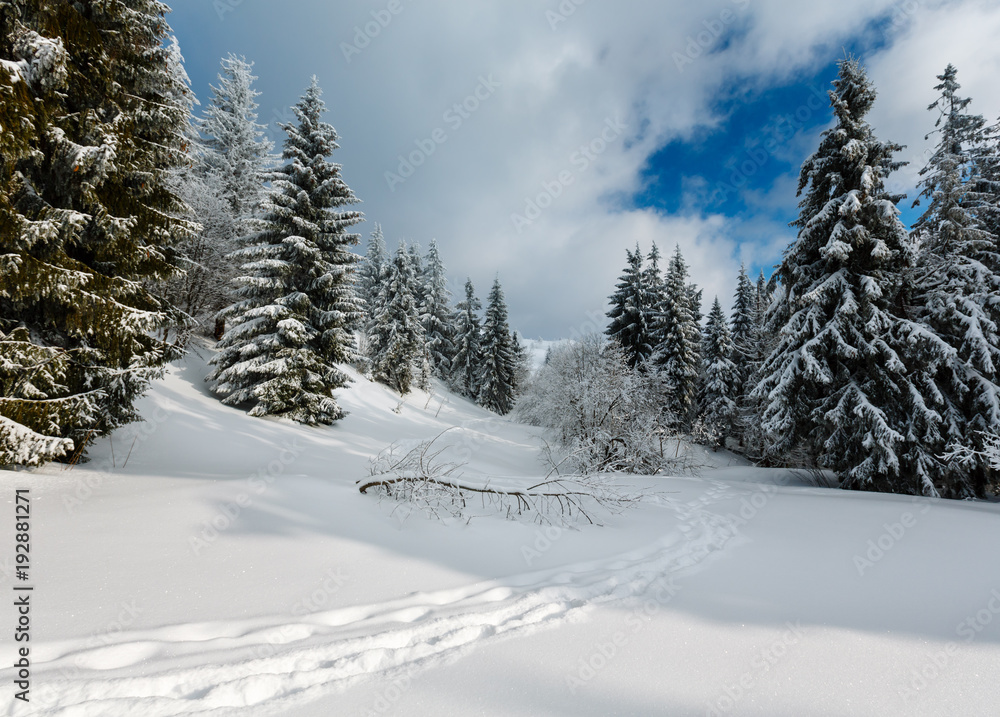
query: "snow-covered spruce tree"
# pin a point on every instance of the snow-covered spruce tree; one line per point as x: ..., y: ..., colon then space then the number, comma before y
x: 754, y: 441
x: 417, y: 263
x: 397, y: 336
x: 205, y: 287
x: 35, y: 402
x: 497, y: 388
x: 630, y: 313
x: 236, y: 152
x: 653, y: 284
x: 521, y: 367
x: 371, y: 271
x: 839, y: 384
x: 436, y: 314
x: 956, y: 293
x: 720, y: 390
x: 291, y: 325
x: 677, y: 355
x: 91, y: 127
x: 468, y: 344
x: 224, y: 186
x: 743, y: 320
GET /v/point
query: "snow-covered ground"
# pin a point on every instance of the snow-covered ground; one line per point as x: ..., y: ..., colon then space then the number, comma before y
x: 231, y: 567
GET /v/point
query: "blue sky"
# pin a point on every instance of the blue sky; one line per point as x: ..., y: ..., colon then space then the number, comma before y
x: 569, y: 130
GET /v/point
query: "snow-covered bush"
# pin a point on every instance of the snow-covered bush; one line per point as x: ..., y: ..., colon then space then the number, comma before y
x: 606, y: 415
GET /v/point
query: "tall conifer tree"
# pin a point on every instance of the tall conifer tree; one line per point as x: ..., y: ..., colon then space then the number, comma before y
x: 93, y: 120
x: 957, y: 295
x: 468, y: 343
x: 677, y: 354
x: 630, y: 311
x: 292, y: 324
x: 838, y: 384
x: 499, y: 356
x: 720, y: 391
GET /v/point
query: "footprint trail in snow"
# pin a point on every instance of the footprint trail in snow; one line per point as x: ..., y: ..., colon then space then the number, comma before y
x: 273, y: 662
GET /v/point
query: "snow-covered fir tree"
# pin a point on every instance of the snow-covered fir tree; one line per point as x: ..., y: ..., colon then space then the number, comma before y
x: 840, y: 382
x: 521, y: 367
x: 371, y: 271
x: 437, y: 315
x: 497, y: 389
x: 677, y: 354
x: 397, y: 337
x: 653, y: 284
x: 205, y: 287
x: 468, y: 344
x: 743, y: 319
x: 630, y: 313
x: 236, y: 152
x: 754, y: 441
x: 224, y: 187
x: 417, y: 263
x: 35, y: 401
x: 291, y: 325
x: 93, y: 121
x: 720, y: 389
x: 956, y: 293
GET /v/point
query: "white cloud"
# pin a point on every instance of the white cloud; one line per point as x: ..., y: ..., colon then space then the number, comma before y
x: 558, y: 88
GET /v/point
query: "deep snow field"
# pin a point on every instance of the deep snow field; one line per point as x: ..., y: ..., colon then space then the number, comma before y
x: 231, y: 567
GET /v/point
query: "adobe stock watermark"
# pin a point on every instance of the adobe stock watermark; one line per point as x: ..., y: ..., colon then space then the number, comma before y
x: 699, y: 44
x: 759, y: 150
x: 877, y: 548
x: 364, y: 34
x: 274, y: 133
x: 543, y: 542
x: 938, y: 663
x: 224, y: 7
x: 228, y: 513
x: 562, y: 13
x: 454, y: 117
x: 392, y: 693
x: 661, y: 592
x: 761, y: 664
x: 580, y: 160
x: 900, y: 15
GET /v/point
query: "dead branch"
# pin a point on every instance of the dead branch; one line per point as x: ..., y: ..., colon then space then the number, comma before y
x: 420, y: 479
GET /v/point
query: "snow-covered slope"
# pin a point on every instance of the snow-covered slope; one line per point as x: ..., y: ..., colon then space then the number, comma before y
x: 231, y: 567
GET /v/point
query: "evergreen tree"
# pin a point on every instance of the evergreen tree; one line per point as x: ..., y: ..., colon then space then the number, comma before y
x: 957, y: 295
x: 653, y: 284
x: 468, y: 344
x: 398, y: 339
x: 93, y: 120
x: 372, y: 270
x: 754, y: 441
x: 236, y: 154
x: 677, y: 354
x: 419, y: 278
x: 521, y: 365
x: 630, y: 312
x: 436, y: 314
x: 743, y: 320
x: 838, y: 384
x: 720, y: 391
x: 497, y: 378
x: 291, y: 324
